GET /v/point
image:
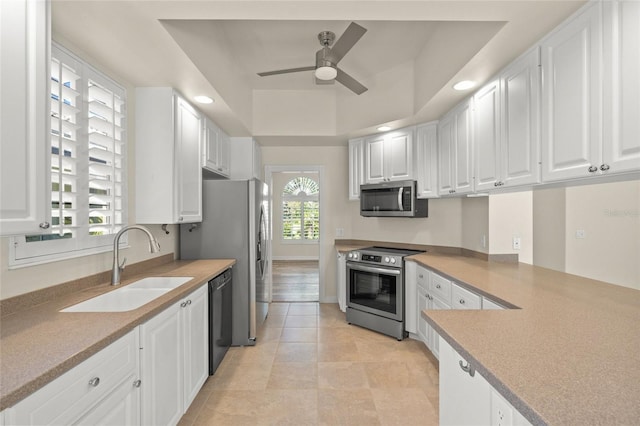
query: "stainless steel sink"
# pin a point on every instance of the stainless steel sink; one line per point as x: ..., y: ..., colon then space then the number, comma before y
x: 130, y: 297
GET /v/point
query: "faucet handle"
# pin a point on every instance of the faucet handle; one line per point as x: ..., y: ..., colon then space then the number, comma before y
x: 121, y: 266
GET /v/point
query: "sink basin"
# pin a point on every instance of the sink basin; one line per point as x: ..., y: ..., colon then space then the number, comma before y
x: 159, y: 282
x: 121, y: 300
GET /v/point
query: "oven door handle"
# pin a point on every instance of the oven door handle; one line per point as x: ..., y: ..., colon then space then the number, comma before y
x: 365, y: 268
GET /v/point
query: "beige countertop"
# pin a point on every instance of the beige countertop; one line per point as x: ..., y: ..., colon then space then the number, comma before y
x: 40, y: 343
x: 568, y: 356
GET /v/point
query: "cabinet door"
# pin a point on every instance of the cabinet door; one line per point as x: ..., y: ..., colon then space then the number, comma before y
x: 446, y: 132
x: 410, y: 296
x: 189, y: 174
x: 621, y: 144
x: 24, y: 143
x: 120, y: 408
x: 463, y: 143
x: 161, y: 368
x: 520, y: 87
x: 571, y: 101
x: 196, y: 343
x: 341, y: 280
x: 224, y: 154
x: 427, y: 160
x: 399, y: 155
x: 374, y: 154
x: 464, y: 399
x: 356, y: 167
x: 486, y: 136
x: 423, y: 303
x: 211, y: 140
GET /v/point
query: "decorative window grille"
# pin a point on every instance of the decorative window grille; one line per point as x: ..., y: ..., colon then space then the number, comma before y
x: 301, y: 210
x: 87, y: 164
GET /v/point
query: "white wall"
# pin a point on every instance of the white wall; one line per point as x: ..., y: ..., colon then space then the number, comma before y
x: 609, y: 215
x: 475, y: 224
x: 549, y: 228
x: 511, y: 215
x: 23, y: 280
x: 288, y: 250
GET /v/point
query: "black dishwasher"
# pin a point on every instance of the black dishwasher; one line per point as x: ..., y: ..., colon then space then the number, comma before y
x: 220, y: 318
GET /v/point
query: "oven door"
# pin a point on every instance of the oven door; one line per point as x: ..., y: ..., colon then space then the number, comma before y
x: 376, y: 290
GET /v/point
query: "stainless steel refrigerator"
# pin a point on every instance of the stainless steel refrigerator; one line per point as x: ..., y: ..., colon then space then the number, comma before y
x: 235, y: 225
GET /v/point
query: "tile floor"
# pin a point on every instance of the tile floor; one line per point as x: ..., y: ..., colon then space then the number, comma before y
x: 309, y: 367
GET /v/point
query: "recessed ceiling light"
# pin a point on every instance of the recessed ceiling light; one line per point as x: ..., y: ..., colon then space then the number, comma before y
x: 201, y: 99
x: 464, y: 85
x: 384, y: 128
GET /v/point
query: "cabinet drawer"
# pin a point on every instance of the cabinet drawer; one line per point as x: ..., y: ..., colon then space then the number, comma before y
x: 72, y: 395
x: 440, y: 287
x: 422, y: 277
x: 464, y: 299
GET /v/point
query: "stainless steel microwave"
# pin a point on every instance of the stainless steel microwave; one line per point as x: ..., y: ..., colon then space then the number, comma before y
x: 392, y: 199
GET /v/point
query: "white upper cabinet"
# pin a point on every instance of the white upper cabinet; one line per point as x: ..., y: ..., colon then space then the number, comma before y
x: 215, y: 149
x: 506, y: 127
x: 25, y: 41
x: 621, y: 144
x: 389, y: 156
x: 455, y: 174
x: 486, y: 136
x: 427, y: 160
x: 246, y: 158
x: 168, y: 158
x: 356, y: 167
x: 520, y: 130
x: 571, y: 97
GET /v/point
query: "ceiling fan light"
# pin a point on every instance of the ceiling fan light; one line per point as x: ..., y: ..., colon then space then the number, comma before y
x: 326, y: 73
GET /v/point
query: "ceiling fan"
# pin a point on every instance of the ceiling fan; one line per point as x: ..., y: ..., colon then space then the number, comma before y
x: 326, y: 67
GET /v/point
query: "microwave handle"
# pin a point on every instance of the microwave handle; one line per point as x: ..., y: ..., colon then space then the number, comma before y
x: 400, y: 198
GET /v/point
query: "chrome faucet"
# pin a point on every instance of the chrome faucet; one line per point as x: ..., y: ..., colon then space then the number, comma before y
x: 118, y: 267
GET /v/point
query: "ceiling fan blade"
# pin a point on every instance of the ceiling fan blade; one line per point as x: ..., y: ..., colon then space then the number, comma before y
x: 264, y: 74
x: 347, y: 40
x: 350, y: 82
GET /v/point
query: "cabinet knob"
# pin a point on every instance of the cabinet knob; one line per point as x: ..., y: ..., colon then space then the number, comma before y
x: 183, y: 304
x: 94, y: 382
x: 593, y: 169
x: 45, y: 225
x: 137, y: 383
x: 189, y: 302
x: 604, y: 167
x: 461, y: 301
x: 467, y: 368
x: 421, y: 276
x: 437, y: 285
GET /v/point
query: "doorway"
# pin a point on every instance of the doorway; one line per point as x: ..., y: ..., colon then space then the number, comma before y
x: 296, y: 233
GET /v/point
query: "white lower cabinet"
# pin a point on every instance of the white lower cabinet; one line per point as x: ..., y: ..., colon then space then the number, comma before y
x: 174, y: 359
x: 341, y: 281
x: 103, y: 389
x: 466, y: 398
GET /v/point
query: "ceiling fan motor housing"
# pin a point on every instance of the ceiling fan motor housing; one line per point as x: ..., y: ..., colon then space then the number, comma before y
x: 324, y: 58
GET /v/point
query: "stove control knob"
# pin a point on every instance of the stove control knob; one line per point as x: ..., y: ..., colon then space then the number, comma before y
x: 393, y: 260
x: 350, y: 255
x: 386, y: 260
x: 355, y: 256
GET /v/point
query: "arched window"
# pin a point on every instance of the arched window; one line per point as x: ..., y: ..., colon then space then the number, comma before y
x: 301, y: 210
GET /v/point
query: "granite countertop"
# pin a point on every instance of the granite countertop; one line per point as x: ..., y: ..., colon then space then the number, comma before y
x: 40, y: 343
x: 567, y: 356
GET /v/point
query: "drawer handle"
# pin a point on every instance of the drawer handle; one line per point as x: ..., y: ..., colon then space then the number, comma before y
x: 467, y: 368
x: 462, y: 301
x: 94, y: 382
x: 437, y: 285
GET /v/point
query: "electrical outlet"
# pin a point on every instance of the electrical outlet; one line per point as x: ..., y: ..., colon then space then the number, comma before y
x: 339, y: 232
x: 501, y: 411
x: 516, y: 243
x: 580, y: 234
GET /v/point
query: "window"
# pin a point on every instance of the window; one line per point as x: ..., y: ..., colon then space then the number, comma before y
x: 300, y: 210
x: 87, y: 164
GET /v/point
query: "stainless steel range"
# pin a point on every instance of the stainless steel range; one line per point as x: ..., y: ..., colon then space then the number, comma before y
x: 375, y: 289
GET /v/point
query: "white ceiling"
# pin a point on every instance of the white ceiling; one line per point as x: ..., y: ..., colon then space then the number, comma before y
x: 410, y: 55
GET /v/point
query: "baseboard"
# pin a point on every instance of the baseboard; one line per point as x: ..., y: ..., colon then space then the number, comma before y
x: 333, y: 299
x: 294, y: 258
